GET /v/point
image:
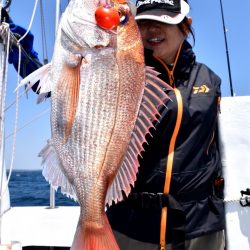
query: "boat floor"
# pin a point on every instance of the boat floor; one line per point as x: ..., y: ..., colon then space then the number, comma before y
x: 37, y: 226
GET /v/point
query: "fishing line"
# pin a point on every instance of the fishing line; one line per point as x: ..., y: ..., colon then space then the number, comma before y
x: 29, y: 122
x: 11, y: 104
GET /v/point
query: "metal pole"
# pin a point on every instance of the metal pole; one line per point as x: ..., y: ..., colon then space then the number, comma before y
x: 2, y: 59
x: 4, y: 192
x: 57, y: 14
x: 52, y: 191
x: 52, y: 198
x: 227, y: 52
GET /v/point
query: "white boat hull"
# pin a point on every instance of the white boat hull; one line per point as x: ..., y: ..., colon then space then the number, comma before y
x: 235, y: 138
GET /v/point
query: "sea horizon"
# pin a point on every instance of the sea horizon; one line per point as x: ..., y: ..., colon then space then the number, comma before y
x: 29, y: 188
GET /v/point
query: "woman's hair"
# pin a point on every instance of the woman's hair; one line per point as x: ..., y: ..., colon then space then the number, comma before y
x: 186, y: 26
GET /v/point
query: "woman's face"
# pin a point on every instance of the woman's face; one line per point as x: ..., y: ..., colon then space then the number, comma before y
x: 163, y: 39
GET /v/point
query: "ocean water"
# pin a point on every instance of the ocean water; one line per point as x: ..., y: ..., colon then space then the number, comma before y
x: 29, y: 188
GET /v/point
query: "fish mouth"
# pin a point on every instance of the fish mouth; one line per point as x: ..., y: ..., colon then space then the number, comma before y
x: 99, y: 47
x: 71, y: 27
x: 85, y: 21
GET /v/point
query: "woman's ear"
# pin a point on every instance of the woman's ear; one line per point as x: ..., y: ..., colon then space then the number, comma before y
x: 190, y: 20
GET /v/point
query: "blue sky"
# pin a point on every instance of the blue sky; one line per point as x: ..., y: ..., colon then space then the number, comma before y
x: 209, y: 48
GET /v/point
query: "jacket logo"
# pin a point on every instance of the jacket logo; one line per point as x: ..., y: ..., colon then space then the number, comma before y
x: 201, y: 89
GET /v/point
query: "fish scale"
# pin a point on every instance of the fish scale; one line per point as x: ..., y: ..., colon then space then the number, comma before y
x: 96, y: 130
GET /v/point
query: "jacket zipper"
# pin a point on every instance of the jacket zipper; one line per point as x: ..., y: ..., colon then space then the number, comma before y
x: 170, y: 72
x: 170, y: 158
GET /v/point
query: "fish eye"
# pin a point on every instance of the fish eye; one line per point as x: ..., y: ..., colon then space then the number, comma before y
x: 123, y: 13
x: 123, y: 19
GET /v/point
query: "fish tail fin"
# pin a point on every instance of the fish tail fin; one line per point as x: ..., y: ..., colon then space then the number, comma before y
x: 89, y: 237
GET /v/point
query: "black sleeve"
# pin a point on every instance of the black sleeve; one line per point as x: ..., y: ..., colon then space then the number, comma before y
x: 29, y: 57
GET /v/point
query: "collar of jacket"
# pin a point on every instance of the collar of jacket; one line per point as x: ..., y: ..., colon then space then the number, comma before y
x: 184, y: 64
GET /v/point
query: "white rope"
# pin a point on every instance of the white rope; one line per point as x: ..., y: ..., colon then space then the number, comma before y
x: 16, y: 120
x: 18, y: 96
x: 2, y: 78
x: 31, y: 21
x: 3, y: 190
x: 3, y: 89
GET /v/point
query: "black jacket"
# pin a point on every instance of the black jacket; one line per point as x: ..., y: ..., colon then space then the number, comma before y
x: 196, y: 181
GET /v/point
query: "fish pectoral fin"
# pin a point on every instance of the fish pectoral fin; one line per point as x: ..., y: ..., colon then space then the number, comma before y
x: 69, y: 85
x: 52, y: 171
x: 40, y: 75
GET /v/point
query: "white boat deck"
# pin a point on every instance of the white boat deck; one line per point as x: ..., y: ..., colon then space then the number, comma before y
x: 40, y: 226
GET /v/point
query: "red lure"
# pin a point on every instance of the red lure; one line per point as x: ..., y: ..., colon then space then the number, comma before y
x: 107, y: 17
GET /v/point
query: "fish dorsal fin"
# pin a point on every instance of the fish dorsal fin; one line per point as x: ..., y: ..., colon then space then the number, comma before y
x: 154, y: 96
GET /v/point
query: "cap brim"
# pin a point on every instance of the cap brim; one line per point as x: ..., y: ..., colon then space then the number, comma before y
x: 164, y: 16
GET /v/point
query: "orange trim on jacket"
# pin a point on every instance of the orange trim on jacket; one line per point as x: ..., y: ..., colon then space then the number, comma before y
x: 169, y: 166
x: 170, y: 159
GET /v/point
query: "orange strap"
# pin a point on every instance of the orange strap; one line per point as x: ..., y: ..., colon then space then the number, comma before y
x: 169, y: 168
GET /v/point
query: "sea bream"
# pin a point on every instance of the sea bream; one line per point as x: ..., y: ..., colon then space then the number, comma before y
x: 103, y: 102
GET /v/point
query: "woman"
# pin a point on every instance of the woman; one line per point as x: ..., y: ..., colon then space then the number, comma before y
x: 182, y: 159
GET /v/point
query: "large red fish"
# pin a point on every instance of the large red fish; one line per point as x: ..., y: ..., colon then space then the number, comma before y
x: 104, y: 101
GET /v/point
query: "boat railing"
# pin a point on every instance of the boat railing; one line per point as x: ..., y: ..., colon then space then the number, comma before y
x: 52, y: 203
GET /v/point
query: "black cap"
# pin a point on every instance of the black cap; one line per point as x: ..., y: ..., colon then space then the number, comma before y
x: 166, y: 11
